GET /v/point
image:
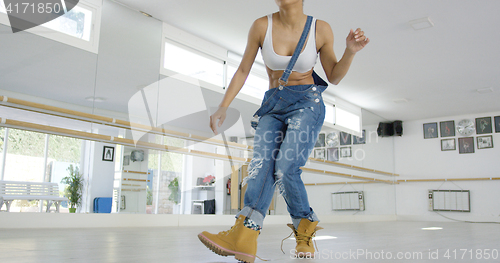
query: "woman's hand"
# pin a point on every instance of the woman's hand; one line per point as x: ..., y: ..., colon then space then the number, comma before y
x: 356, y: 40
x: 220, y: 115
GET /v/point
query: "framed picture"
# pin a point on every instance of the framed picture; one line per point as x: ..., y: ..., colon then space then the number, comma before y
x: 484, y: 142
x: 345, y: 138
x: 332, y: 154
x: 359, y: 140
x: 483, y: 125
x: 345, y: 152
x: 332, y: 139
x: 466, y: 145
x: 448, y: 145
x: 319, y: 154
x: 321, y: 140
x: 108, y: 153
x: 447, y: 128
x: 430, y: 130
x: 497, y: 124
x: 126, y: 160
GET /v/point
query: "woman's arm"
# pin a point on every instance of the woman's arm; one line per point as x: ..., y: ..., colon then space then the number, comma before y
x: 336, y: 70
x: 239, y: 78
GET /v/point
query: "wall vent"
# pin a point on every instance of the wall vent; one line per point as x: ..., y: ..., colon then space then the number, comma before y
x: 449, y: 200
x: 342, y: 201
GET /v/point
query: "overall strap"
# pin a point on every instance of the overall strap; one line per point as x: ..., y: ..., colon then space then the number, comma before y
x: 284, y: 78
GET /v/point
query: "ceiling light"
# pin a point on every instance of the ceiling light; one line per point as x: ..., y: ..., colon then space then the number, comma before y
x: 432, y: 228
x: 421, y: 23
x: 146, y: 14
x: 485, y: 90
x: 96, y: 99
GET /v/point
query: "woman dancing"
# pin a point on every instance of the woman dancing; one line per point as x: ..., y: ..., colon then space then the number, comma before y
x: 287, y: 123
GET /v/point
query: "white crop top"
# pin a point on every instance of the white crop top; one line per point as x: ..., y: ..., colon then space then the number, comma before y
x: 307, y: 59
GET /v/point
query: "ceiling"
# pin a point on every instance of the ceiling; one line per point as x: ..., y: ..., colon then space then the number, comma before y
x: 437, y: 70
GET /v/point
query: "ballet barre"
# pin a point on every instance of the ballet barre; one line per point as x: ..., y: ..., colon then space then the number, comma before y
x: 93, y: 118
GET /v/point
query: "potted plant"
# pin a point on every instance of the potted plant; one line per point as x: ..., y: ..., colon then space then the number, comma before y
x: 174, y: 189
x: 74, y: 187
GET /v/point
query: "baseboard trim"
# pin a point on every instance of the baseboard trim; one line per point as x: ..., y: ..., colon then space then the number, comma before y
x: 452, y: 217
x: 54, y: 220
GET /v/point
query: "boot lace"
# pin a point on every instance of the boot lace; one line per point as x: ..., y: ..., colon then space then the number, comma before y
x: 300, y: 237
x: 227, y: 232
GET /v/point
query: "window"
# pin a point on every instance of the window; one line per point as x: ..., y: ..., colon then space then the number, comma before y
x: 164, y: 191
x: 329, y: 113
x: 254, y: 86
x: 77, y: 27
x: 76, y: 23
x: 349, y: 120
x: 25, y: 162
x: 192, y: 64
x: 2, y: 143
x: 25, y: 156
x: 62, y: 152
x: 343, y: 116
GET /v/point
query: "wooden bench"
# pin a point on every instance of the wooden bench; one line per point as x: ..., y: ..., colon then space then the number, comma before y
x: 11, y: 190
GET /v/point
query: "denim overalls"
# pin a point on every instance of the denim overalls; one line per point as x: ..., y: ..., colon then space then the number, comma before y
x: 287, y: 126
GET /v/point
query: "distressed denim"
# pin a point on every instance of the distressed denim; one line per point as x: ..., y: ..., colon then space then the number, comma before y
x: 287, y: 127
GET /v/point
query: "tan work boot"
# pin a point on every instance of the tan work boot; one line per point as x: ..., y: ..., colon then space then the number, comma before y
x: 239, y: 241
x: 304, y: 238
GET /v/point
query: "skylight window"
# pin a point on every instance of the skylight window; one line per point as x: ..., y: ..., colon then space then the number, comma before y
x: 192, y: 64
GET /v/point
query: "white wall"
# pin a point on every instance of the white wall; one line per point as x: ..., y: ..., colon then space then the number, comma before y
x: 377, y: 154
x: 413, y: 157
x: 101, y: 174
x: 419, y: 158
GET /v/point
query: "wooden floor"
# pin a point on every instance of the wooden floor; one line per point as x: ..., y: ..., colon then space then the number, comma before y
x: 352, y: 242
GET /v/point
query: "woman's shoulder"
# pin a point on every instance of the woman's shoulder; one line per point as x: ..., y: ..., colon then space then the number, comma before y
x: 261, y: 21
x: 321, y: 24
x: 323, y: 28
x: 260, y: 24
x: 258, y: 30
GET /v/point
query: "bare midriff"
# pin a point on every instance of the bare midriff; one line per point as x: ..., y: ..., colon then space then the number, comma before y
x: 296, y: 78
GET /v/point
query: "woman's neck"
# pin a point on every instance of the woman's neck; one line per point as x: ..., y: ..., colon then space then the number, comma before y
x: 292, y: 16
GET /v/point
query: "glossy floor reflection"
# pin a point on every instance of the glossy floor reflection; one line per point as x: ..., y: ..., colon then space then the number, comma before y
x: 343, y: 242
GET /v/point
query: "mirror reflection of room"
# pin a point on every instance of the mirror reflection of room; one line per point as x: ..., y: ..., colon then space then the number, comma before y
x: 105, y: 111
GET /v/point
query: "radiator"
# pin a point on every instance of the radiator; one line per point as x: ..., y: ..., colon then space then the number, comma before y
x: 449, y: 200
x: 348, y: 201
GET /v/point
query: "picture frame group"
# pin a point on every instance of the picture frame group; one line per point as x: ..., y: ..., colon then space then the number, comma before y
x: 483, y: 125
x: 447, y: 130
x: 336, y: 144
x: 329, y: 154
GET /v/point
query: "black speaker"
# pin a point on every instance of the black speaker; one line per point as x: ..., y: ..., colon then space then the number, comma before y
x: 385, y: 129
x: 398, y: 128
